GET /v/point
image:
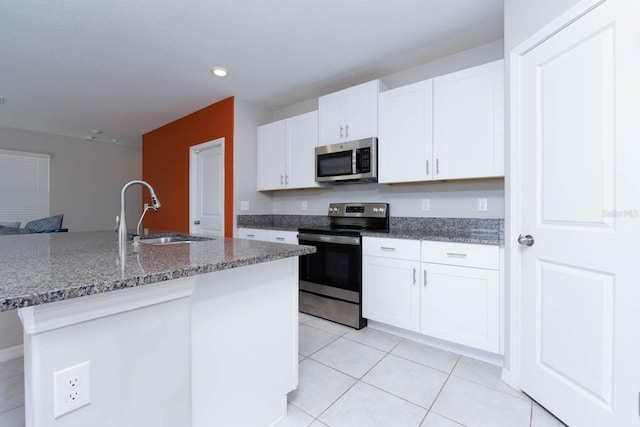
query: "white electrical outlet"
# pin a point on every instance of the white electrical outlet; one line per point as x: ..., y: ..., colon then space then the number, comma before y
x: 426, y: 204
x: 244, y: 205
x: 304, y: 205
x: 482, y: 205
x: 71, y: 389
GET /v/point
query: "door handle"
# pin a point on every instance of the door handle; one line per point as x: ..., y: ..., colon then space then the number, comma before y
x: 196, y: 222
x: 425, y: 279
x: 414, y: 276
x: 526, y: 240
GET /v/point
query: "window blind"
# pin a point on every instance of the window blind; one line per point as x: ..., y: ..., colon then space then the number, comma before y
x: 24, y: 186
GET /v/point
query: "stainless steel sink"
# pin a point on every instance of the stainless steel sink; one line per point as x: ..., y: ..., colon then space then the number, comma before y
x: 172, y: 240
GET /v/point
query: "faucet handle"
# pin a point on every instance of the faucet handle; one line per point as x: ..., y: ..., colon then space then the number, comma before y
x: 117, y: 223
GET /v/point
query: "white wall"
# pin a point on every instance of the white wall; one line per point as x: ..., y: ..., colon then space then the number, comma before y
x: 448, y: 199
x: 86, y: 179
x: 247, y: 117
x: 522, y: 18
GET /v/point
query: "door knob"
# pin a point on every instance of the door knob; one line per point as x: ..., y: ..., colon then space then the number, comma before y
x: 526, y: 240
x: 196, y: 222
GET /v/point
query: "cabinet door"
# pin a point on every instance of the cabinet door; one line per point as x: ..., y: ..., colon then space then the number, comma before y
x: 271, y: 156
x: 332, y: 111
x: 391, y: 291
x: 468, y: 122
x: 461, y: 304
x: 362, y: 111
x: 405, y: 133
x: 302, y: 139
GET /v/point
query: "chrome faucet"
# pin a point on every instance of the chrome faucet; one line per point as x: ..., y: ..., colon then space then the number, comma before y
x: 122, y: 222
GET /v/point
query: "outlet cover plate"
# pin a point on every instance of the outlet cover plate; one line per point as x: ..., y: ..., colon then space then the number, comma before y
x: 71, y: 389
x: 426, y: 204
x: 482, y: 205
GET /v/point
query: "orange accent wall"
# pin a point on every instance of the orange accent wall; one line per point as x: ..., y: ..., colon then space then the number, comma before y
x: 165, y: 164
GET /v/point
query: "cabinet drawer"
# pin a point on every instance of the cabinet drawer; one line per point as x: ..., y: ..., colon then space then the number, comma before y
x: 391, y: 248
x: 252, y: 233
x: 283, y: 236
x: 462, y: 254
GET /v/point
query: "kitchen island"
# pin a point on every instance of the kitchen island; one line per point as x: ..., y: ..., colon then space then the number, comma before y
x: 201, y: 333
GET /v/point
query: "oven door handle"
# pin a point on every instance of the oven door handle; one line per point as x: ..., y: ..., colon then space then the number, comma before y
x: 323, y: 238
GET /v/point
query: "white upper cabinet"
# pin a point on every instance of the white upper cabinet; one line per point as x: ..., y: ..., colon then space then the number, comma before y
x: 405, y: 142
x: 271, y: 155
x: 349, y: 114
x: 468, y: 123
x: 286, y: 153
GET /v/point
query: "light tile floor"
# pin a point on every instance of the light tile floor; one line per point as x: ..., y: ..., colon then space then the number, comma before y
x: 369, y: 378
x: 372, y: 378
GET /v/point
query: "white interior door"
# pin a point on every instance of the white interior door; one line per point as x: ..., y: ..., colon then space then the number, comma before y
x: 578, y: 136
x: 207, y: 188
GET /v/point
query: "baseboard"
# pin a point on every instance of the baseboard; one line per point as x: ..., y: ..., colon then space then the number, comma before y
x: 11, y: 353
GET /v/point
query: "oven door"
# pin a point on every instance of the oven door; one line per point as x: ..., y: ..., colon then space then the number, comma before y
x: 336, y: 267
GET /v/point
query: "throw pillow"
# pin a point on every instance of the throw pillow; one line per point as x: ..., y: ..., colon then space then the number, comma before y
x: 49, y: 223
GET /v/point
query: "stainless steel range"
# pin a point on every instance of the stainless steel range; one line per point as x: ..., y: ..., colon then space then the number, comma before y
x: 331, y: 279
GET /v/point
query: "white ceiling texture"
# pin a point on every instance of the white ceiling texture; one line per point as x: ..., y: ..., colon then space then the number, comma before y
x: 126, y: 67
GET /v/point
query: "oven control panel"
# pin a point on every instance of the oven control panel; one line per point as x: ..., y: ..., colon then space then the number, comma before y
x: 366, y: 210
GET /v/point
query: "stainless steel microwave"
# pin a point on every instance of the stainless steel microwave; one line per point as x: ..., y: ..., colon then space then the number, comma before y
x: 348, y: 162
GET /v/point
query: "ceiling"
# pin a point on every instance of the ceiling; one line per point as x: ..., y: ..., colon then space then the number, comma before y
x: 128, y: 67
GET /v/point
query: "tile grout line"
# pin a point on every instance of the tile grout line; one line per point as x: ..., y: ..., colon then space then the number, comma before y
x: 441, y: 388
x: 357, y: 379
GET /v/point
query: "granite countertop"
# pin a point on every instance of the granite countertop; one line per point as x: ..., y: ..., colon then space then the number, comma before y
x: 41, y: 268
x: 486, y: 231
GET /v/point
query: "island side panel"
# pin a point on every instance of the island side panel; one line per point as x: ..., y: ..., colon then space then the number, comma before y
x: 245, y: 344
x: 139, y: 358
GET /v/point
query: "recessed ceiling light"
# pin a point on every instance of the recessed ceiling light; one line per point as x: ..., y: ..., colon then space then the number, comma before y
x: 114, y: 140
x: 219, y: 72
x: 90, y: 138
x: 96, y: 132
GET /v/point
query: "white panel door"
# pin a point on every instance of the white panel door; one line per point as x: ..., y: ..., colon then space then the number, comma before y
x: 406, y: 133
x: 468, y: 122
x: 579, y: 142
x: 208, y: 190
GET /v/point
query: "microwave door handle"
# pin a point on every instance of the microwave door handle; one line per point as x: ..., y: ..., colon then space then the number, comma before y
x: 354, y: 161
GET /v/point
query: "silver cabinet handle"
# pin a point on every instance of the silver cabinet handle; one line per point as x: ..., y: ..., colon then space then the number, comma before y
x: 251, y: 235
x: 341, y: 129
x: 347, y: 131
x: 437, y: 166
x: 281, y: 179
x: 414, y: 275
x: 427, y: 167
x: 280, y: 238
x: 388, y: 249
x: 425, y: 279
x: 196, y: 222
x: 456, y: 255
x: 526, y: 240
x: 286, y: 179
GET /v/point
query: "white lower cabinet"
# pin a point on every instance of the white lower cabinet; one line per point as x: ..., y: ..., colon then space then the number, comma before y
x: 461, y: 304
x: 449, y: 291
x: 391, y: 282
